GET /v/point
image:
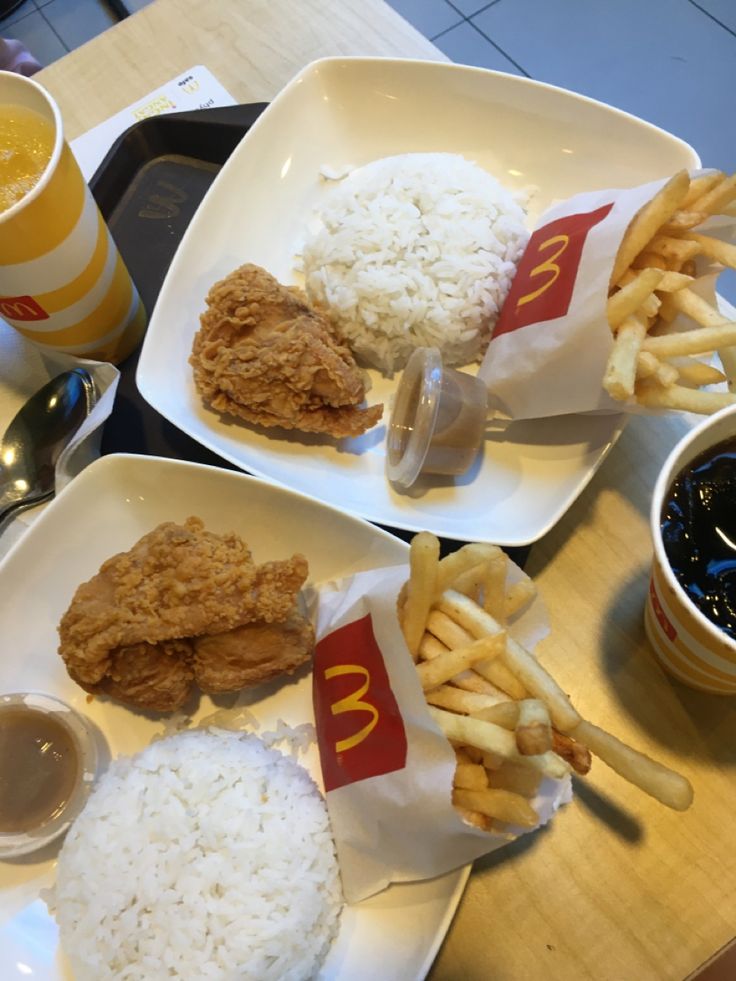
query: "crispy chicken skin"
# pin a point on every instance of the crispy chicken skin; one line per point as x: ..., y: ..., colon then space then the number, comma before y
x: 264, y: 355
x: 248, y: 655
x: 129, y: 630
x: 157, y: 677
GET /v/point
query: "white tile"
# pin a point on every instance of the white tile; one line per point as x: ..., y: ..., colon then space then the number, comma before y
x: 136, y: 5
x: 469, y: 7
x: 26, y: 8
x: 467, y: 46
x: 78, y: 21
x: 663, y: 60
x: 431, y: 17
x: 723, y: 11
x: 38, y: 37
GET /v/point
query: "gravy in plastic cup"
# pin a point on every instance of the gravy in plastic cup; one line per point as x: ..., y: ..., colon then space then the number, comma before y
x: 438, y: 420
x: 690, y: 613
x: 63, y: 284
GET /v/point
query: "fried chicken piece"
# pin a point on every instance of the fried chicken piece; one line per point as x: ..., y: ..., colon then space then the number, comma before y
x: 157, y: 677
x: 251, y: 654
x: 178, y: 581
x: 264, y: 355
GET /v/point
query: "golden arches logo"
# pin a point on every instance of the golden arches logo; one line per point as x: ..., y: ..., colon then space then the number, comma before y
x: 549, y: 265
x: 21, y: 308
x: 353, y: 703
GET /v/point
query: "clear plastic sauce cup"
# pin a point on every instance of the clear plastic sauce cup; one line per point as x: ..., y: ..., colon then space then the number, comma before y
x: 438, y: 420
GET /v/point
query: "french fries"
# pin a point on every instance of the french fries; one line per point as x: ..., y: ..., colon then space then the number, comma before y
x: 507, y: 742
x: 652, y: 282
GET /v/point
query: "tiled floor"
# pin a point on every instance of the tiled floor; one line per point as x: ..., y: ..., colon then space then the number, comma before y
x: 672, y: 62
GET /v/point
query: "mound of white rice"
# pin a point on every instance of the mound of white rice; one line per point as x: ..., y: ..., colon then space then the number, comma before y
x: 415, y: 250
x: 207, y: 855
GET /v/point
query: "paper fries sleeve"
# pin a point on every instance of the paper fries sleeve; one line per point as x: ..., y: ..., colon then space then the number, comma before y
x: 387, y: 768
x: 551, y: 344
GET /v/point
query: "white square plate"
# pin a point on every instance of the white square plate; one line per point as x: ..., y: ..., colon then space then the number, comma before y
x: 348, y: 111
x: 394, y: 935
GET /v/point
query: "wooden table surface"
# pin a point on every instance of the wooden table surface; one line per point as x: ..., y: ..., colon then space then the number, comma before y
x: 618, y: 887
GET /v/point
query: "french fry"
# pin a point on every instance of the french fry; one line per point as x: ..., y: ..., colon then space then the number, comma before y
x: 473, y: 818
x: 492, y: 761
x: 698, y: 341
x: 717, y: 197
x: 653, y: 778
x: 697, y: 308
x: 504, y: 714
x: 493, y: 587
x: 527, y: 669
x: 453, y: 635
x: 472, y: 682
x: 517, y: 596
x: 493, y: 739
x: 699, y: 185
x: 649, y: 366
x: 620, y: 374
x: 714, y: 248
x: 507, y: 742
x: 683, y: 221
x: 631, y: 296
x: 518, y: 779
x: 430, y: 647
x: 697, y: 373
x: 461, y: 701
x: 671, y: 248
x: 454, y: 564
x: 444, y: 667
x: 446, y: 629
x: 500, y: 675
x: 469, y: 775
x: 682, y: 398
x: 648, y: 220
x: 424, y: 554
x: 470, y: 582
x: 504, y: 805
x: 673, y: 281
x: 533, y: 728
x: 649, y: 260
x: 572, y: 751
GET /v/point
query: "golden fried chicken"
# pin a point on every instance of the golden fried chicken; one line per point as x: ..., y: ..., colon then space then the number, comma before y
x: 264, y: 355
x: 130, y: 630
x: 248, y: 655
x: 157, y: 677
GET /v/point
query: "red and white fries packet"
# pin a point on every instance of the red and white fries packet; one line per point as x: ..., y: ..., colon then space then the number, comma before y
x: 552, y: 340
x: 387, y: 768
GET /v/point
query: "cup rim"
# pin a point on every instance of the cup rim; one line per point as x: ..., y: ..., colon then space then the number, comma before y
x: 51, y: 166
x: 671, y: 467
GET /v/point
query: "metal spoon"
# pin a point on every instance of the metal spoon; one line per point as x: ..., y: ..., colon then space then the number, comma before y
x: 36, y: 437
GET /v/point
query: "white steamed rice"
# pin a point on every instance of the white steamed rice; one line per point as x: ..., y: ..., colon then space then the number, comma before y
x: 207, y: 855
x: 415, y: 250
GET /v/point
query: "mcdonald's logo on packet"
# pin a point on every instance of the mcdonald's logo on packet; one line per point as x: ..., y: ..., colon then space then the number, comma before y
x: 21, y: 308
x: 543, y: 285
x: 359, y: 726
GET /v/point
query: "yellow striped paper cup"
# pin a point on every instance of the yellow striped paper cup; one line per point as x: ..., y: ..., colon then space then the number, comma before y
x: 687, y: 644
x: 63, y: 284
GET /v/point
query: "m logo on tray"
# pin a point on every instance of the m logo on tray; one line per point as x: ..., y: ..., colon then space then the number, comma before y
x: 544, y: 282
x: 359, y: 727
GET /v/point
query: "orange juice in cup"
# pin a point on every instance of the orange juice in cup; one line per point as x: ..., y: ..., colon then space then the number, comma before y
x: 63, y: 284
